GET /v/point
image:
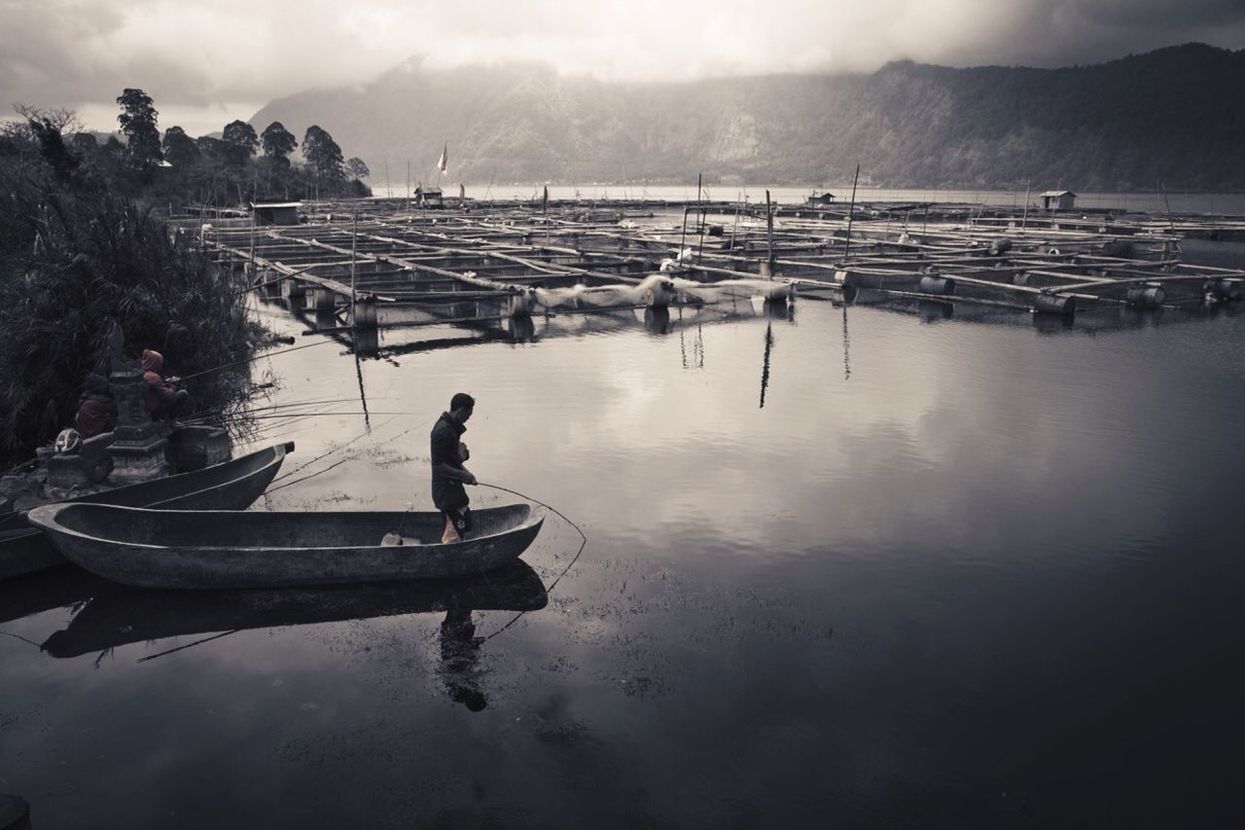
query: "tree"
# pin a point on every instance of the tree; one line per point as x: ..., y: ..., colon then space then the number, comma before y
x: 211, y: 149
x: 52, y: 147
x: 240, y: 141
x: 180, y: 149
x: 84, y: 144
x: 323, y: 155
x: 138, y: 123
x: 356, y: 168
x: 64, y: 121
x: 278, y: 143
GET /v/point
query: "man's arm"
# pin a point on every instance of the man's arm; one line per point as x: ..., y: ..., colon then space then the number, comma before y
x: 456, y: 473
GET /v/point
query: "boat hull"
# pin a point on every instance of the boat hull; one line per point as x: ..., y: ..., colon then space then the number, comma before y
x: 124, y: 616
x: 230, y: 549
x: 231, y: 485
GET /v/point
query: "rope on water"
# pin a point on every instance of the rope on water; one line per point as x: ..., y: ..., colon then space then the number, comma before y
x: 20, y: 637
x: 582, y: 544
x: 256, y: 357
x: 362, y: 434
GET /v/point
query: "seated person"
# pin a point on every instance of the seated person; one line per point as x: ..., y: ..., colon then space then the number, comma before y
x: 97, y: 411
x: 162, y: 399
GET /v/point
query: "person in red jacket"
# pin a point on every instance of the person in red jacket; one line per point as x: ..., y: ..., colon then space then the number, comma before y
x: 162, y: 399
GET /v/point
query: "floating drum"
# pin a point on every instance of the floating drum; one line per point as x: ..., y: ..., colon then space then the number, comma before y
x: 780, y: 293
x: 521, y: 304
x: 937, y: 285
x: 1146, y: 296
x: 1063, y: 304
x: 326, y: 299
x: 365, y: 312
x: 659, y: 294
x: 1225, y: 290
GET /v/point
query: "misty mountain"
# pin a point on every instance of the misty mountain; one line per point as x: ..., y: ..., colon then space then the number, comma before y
x: 1174, y: 116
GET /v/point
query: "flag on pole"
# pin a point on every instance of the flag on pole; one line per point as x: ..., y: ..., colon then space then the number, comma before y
x: 443, y: 162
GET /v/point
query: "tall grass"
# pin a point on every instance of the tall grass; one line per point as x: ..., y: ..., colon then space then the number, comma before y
x: 74, y: 261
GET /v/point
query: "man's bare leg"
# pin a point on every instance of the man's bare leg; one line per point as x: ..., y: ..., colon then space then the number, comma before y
x: 451, y: 533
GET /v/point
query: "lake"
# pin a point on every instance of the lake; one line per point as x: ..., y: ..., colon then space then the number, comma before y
x: 850, y: 567
x: 1151, y: 201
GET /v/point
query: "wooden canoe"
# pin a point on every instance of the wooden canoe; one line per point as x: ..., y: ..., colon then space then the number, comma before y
x: 260, y: 549
x: 230, y: 485
x: 133, y: 615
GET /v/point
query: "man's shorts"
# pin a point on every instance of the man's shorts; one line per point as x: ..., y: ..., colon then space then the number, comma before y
x: 461, y: 519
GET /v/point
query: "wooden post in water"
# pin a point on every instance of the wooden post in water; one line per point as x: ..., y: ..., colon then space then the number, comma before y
x: 354, y: 239
x: 1024, y: 221
x: 683, y: 233
x: 851, y: 211
x: 700, y: 220
x: 769, y: 236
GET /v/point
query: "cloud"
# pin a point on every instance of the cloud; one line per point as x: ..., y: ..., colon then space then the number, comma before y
x: 196, y: 58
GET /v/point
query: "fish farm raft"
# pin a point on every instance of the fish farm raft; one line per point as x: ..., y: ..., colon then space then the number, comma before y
x: 354, y: 269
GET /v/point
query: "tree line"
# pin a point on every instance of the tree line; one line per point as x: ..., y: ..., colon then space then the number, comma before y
x: 239, y: 166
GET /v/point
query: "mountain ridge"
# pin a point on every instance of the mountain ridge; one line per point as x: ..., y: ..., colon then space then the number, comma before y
x: 1168, y: 117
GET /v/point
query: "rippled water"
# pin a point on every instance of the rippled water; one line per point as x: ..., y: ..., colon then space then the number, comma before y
x: 857, y: 567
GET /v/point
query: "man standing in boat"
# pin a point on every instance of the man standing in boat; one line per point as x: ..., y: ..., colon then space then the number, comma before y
x: 448, y: 473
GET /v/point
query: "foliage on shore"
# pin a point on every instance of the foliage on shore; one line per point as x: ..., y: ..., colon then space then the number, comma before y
x: 78, y: 253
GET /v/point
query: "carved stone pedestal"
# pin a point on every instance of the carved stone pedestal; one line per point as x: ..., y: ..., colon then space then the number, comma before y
x: 138, y: 446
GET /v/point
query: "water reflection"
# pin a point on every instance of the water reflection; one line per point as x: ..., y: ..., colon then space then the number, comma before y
x: 125, y: 615
x: 460, y: 659
x: 523, y: 329
x: 1052, y: 323
x: 847, y: 363
x: 66, y: 586
x: 769, y: 345
x: 657, y: 320
x: 932, y: 310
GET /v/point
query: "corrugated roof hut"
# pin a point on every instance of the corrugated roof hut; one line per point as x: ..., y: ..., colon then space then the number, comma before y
x: 1058, y: 200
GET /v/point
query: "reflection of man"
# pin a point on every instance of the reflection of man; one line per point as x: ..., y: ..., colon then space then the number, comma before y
x: 448, y: 473
x: 460, y: 652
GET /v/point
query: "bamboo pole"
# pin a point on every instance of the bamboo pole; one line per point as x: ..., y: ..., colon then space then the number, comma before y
x: 851, y: 211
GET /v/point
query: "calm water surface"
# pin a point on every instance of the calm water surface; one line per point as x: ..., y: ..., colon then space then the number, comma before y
x: 854, y: 568
x: 1155, y: 202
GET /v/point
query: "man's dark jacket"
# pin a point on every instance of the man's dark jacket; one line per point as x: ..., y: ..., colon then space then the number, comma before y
x: 447, y: 493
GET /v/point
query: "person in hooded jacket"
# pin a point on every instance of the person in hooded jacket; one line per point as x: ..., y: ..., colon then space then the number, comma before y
x: 162, y: 399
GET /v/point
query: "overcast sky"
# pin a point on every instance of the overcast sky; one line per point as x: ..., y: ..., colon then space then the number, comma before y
x: 206, y: 63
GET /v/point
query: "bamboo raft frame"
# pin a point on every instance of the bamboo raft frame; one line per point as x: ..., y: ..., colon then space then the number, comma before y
x: 372, y: 264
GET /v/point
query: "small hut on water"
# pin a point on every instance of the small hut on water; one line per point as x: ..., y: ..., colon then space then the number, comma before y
x: 275, y: 213
x: 1058, y: 200
x: 429, y: 197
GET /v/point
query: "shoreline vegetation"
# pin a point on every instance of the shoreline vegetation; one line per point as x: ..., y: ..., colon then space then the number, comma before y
x: 83, y: 247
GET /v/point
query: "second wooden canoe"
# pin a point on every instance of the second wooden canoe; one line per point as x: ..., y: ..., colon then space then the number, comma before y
x: 230, y: 485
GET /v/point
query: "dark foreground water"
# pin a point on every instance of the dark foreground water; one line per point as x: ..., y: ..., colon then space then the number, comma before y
x: 853, y: 569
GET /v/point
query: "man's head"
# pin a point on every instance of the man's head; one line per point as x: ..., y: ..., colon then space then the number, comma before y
x: 461, y: 407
